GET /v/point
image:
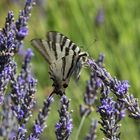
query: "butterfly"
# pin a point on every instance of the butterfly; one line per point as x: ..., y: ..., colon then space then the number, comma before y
x: 63, y: 56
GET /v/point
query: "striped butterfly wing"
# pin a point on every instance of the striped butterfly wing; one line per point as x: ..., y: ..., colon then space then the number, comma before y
x: 61, y: 70
x: 51, y: 51
x: 64, y: 57
x: 64, y: 41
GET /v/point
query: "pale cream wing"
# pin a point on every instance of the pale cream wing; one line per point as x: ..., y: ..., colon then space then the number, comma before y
x: 64, y: 41
x: 62, y: 69
x: 50, y: 50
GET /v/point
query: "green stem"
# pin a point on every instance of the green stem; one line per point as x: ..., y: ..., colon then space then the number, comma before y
x: 81, y: 124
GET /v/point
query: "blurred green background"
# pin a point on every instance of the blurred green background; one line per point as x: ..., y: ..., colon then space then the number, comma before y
x: 111, y: 27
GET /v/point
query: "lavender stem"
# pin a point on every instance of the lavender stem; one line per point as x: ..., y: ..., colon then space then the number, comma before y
x: 81, y: 124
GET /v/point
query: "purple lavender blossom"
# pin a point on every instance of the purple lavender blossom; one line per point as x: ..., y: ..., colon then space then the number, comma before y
x: 100, y: 17
x: 107, y: 106
x: 21, y: 23
x: 111, y: 113
x: 5, y: 76
x: 21, y: 133
x: 13, y: 32
x: 92, y: 89
x: 38, y: 129
x: 64, y: 126
x: 23, y: 89
x: 132, y: 105
x: 11, y: 37
x: 7, y: 41
x: 39, y: 124
x: 119, y: 88
x: 8, y: 125
x: 92, y: 132
x: 22, y: 32
x: 91, y: 95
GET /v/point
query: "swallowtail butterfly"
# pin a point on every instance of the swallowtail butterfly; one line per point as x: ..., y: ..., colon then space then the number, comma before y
x: 64, y: 57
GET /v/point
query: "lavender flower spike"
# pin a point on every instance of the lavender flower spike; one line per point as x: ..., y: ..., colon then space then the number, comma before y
x: 21, y: 23
x: 111, y: 113
x: 5, y: 77
x: 119, y: 88
x: 92, y: 131
x: 39, y: 124
x: 100, y: 17
x: 64, y: 126
x: 92, y: 87
x: 8, y: 125
x: 7, y: 41
x: 13, y: 33
x: 23, y: 88
x: 11, y: 37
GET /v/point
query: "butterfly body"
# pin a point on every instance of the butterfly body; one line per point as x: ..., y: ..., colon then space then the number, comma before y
x: 64, y: 58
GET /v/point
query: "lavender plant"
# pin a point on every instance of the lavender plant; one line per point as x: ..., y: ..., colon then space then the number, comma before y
x: 39, y: 124
x: 6, y: 71
x: 23, y: 88
x: 119, y: 88
x: 11, y: 37
x: 111, y: 113
x: 92, y: 89
x: 92, y: 132
x: 18, y: 101
x: 8, y: 125
x: 64, y: 126
x: 23, y: 85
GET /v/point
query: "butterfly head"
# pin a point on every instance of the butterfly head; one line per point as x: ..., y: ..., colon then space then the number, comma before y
x: 83, y: 57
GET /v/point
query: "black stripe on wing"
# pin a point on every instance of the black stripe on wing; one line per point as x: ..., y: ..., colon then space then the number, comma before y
x: 47, y: 49
x: 51, y: 51
x: 63, y: 68
x: 70, y: 71
x: 77, y: 60
x: 54, y: 48
x: 38, y: 45
x: 62, y: 40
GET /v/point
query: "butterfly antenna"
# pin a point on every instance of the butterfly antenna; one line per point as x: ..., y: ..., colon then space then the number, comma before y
x: 89, y: 44
x: 93, y: 42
